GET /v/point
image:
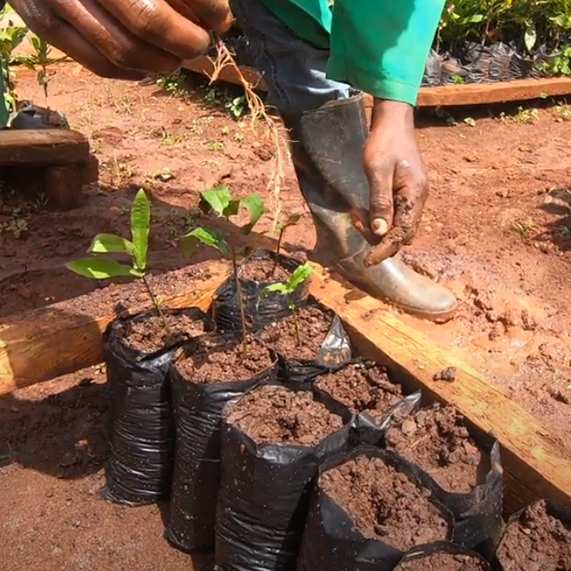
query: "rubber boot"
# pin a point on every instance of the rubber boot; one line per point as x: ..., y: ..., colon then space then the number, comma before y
x: 327, y: 145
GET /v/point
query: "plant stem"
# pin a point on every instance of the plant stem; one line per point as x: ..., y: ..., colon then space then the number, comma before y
x: 296, y: 325
x: 156, y: 304
x: 239, y: 293
x: 278, y: 248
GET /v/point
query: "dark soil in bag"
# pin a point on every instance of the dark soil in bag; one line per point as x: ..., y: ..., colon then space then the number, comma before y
x: 260, y: 307
x: 369, y: 508
x: 442, y: 557
x: 469, y: 477
x: 214, y: 372
x: 138, y: 353
x: 273, y: 442
x: 537, y: 539
x: 310, y: 343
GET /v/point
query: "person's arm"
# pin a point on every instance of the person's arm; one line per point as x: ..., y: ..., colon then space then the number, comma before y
x: 381, y: 47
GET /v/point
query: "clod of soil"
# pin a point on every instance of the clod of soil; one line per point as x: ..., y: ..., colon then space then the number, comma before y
x: 537, y: 541
x: 444, y: 562
x: 437, y: 440
x: 150, y: 334
x: 277, y: 415
x: 214, y: 360
x: 300, y: 336
x: 262, y: 270
x: 362, y: 387
x: 384, y: 503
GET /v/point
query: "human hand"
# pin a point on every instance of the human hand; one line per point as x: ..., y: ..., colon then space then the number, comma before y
x: 397, y: 179
x: 125, y: 39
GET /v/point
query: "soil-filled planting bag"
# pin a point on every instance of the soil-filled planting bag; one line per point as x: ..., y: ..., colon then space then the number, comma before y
x: 138, y: 353
x: 538, y: 538
x: 260, y: 307
x: 309, y: 343
x: 213, y: 372
x: 442, y: 556
x: 468, y: 477
x: 369, y: 507
x: 365, y: 388
x: 274, y: 440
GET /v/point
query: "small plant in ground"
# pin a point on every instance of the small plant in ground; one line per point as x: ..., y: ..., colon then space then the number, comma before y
x: 219, y: 200
x: 295, y: 281
x: 526, y: 116
x: 563, y: 112
x: 100, y: 266
x: 524, y: 227
x: 175, y: 84
x: 291, y: 221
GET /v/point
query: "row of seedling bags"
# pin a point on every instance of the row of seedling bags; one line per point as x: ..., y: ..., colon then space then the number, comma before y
x: 282, y: 451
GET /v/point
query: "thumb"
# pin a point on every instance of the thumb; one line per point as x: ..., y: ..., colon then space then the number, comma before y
x: 381, y: 206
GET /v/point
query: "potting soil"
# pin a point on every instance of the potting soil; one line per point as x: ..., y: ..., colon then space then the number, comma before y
x: 444, y: 562
x: 537, y: 540
x: 214, y: 373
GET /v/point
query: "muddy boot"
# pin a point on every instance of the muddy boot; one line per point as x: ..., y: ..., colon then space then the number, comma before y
x: 327, y: 145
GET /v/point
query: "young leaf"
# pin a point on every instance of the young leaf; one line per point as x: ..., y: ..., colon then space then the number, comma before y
x: 292, y: 220
x: 110, y: 244
x: 279, y: 287
x: 299, y: 276
x: 96, y: 268
x: 218, y: 199
x: 207, y: 238
x: 140, y: 229
x: 255, y: 206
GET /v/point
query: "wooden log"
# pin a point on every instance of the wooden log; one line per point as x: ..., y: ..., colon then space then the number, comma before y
x: 442, y: 96
x: 535, y: 464
x: 42, y: 147
x: 46, y: 343
x: 63, y: 186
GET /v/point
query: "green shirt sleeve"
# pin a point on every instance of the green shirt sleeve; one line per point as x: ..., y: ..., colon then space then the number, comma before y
x: 381, y: 46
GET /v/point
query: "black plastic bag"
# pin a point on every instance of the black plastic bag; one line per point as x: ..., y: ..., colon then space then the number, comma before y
x: 331, y: 539
x: 260, y: 307
x: 264, y: 497
x: 198, y: 413
x: 334, y: 353
x: 139, y: 466
x: 418, y: 553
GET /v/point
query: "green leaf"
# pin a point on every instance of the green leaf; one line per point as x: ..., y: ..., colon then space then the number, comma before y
x: 205, y: 237
x: 292, y: 220
x: 530, y: 37
x: 97, y: 268
x: 110, y: 244
x: 255, y: 206
x: 140, y: 229
x: 280, y: 288
x: 218, y: 199
x: 299, y: 276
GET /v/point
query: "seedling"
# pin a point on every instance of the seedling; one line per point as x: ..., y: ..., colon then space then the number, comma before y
x: 291, y: 221
x: 295, y: 281
x: 102, y: 267
x: 220, y: 201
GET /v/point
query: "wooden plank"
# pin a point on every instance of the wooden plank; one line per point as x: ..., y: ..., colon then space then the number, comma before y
x: 50, y: 342
x: 42, y: 147
x: 533, y: 459
x: 442, y: 96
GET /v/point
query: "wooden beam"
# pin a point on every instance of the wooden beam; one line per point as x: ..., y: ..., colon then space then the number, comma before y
x: 42, y: 147
x: 535, y: 465
x: 442, y: 96
x: 46, y: 343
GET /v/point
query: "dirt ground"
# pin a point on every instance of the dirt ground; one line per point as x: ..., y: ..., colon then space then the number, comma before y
x: 497, y: 230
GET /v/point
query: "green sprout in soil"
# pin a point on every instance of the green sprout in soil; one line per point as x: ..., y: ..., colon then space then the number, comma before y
x: 101, y: 266
x: 291, y: 221
x: 295, y: 281
x: 219, y: 200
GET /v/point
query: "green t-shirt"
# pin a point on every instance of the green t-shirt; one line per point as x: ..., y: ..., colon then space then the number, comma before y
x: 378, y: 46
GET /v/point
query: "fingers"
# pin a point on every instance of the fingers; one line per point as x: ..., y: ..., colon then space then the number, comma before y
x: 411, y: 192
x: 43, y: 22
x: 380, y: 173
x: 114, y: 41
x: 157, y: 23
x: 213, y: 14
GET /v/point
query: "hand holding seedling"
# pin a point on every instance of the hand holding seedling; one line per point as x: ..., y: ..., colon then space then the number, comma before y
x: 125, y: 39
x: 397, y: 180
x: 219, y: 200
x: 102, y: 267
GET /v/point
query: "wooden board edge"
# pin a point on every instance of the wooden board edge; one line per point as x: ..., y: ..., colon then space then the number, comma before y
x: 441, y: 96
x: 531, y: 456
x: 47, y: 343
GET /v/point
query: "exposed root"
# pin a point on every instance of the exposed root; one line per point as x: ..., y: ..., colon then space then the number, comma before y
x: 259, y: 116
